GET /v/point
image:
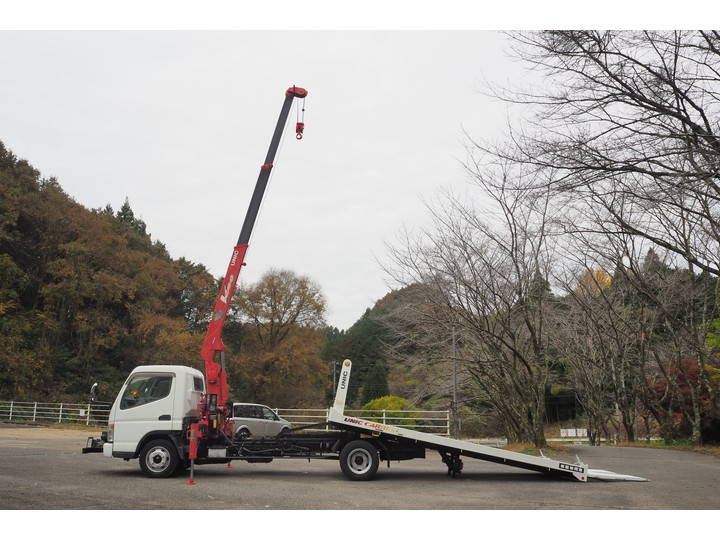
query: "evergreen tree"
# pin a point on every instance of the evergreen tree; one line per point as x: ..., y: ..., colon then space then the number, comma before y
x: 127, y: 216
x: 376, y: 385
x: 363, y: 345
x: 539, y: 287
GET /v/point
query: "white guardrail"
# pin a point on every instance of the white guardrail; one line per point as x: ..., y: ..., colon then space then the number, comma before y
x: 58, y: 413
x: 97, y: 414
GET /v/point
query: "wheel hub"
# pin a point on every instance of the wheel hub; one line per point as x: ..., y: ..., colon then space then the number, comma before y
x: 360, y: 461
x: 157, y: 459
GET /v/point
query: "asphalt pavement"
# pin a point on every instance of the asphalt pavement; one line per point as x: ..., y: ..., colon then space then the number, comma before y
x: 43, y: 468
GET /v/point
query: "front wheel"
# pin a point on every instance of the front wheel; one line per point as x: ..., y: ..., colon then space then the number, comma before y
x: 159, y: 459
x: 359, y: 460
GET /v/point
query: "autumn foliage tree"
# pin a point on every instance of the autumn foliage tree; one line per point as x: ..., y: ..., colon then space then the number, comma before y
x: 278, y: 335
x: 85, y: 295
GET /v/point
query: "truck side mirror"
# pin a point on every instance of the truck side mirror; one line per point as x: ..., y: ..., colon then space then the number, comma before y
x: 93, y: 391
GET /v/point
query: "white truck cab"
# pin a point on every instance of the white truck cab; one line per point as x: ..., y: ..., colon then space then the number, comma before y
x: 155, y: 403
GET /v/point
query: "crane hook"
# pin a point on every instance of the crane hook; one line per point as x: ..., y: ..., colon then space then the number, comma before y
x: 299, y: 127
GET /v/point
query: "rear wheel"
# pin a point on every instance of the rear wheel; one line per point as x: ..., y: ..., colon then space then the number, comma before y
x: 359, y: 460
x: 243, y: 433
x: 159, y: 459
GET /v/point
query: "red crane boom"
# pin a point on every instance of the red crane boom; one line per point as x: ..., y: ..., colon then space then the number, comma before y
x: 217, y: 406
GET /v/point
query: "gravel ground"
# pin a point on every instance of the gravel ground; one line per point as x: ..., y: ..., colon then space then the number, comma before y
x: 43, y: 468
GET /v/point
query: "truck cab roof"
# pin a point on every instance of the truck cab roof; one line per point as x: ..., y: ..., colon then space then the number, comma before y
x: 178, y: 370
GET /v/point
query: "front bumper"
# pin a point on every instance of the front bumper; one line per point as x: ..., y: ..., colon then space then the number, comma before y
x: 95, y: 446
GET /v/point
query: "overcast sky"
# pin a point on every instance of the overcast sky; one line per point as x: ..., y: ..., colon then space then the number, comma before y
x: 179, y: 122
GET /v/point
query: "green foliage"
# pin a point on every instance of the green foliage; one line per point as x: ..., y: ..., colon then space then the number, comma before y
x: 712, y: 337
x: 361, y: 343
x: 390, y: 403
x: 376, y: 384
x: 198, y: 290
x: 332, y: 350
x: 127, y: 216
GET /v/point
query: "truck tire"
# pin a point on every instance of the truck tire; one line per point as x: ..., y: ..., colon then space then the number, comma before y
x: 359, y: 460
x: 159, y: 459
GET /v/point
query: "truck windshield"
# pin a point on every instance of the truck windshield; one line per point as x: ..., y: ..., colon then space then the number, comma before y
x: 144, y: 389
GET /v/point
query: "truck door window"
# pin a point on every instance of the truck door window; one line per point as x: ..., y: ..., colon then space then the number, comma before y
x: 144, y: 389
x: 198, y: 384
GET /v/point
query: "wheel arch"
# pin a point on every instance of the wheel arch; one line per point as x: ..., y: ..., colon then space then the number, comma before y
x: 375, y: 441
x: 172, y: 436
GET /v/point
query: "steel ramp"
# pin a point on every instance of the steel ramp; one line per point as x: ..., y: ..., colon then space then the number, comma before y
x: 609, y: 476
x: 578, y: 470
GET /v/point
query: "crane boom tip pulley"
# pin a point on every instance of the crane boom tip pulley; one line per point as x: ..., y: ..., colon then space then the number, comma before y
x: 296, y: 91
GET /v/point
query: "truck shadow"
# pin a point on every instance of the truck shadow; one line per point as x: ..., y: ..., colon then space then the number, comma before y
x: 383, y: 476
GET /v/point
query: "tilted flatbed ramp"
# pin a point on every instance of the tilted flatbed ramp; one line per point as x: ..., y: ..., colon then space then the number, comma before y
x: 453, y: 449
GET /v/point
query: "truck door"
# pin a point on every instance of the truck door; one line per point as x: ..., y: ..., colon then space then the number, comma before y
x: 146, y: 404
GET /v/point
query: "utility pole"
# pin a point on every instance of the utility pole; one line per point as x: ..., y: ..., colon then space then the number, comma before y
x: 454, y: 408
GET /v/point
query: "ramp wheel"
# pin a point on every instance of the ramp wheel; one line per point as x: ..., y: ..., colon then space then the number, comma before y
x: 359, y: 460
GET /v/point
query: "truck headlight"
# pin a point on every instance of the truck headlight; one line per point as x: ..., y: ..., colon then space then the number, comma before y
x: 110, y: 432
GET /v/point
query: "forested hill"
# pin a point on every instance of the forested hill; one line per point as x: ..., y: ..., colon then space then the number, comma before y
x: 85, y: 295
x: 372, y: 345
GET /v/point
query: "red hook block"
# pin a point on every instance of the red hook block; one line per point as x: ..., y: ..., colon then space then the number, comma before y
x: 299, y: 127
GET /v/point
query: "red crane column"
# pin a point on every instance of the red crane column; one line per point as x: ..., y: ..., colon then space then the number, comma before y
x: 216, y: 377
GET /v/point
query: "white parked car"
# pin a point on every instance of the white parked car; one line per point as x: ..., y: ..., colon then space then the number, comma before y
x: 254, y: 420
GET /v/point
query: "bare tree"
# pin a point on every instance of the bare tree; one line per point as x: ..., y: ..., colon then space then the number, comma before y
x: 629, y: 122
x: 489, y: 282
x: 647, y: 320
x: 677, y: 306
x: 596, y: 340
